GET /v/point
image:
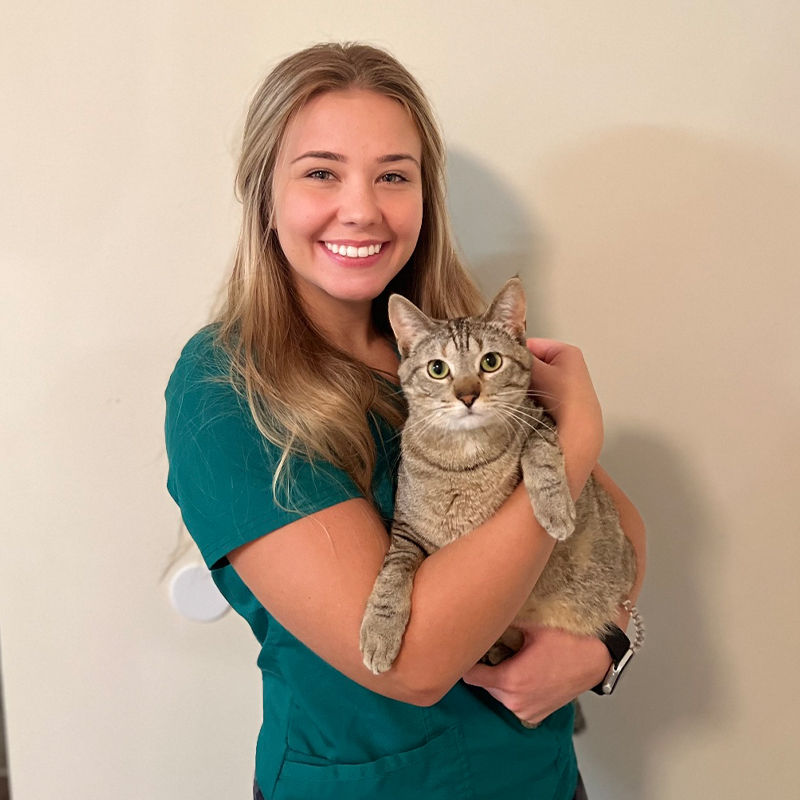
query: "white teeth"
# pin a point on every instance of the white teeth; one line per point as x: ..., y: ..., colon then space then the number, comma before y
x: 353, y: 252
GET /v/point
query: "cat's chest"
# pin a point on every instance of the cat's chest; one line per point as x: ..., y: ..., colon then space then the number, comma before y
x: 444, y: 500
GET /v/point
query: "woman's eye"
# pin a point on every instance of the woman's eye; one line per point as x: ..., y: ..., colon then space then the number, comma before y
x: 491, y: 362
x: 394, y: 177
x: 320, y: 175
x: 438, y: 369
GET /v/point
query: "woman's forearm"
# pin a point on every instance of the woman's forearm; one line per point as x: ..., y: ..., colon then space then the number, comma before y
x: 466, y: 594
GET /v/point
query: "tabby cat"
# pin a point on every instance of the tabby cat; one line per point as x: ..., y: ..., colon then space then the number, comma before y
x: 472, y: 431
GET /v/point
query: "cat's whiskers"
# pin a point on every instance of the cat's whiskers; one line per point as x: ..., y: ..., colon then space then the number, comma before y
x: 514, y: 413
x: 504, y: 421
x: 424, y: 422
x: 518, y: 413
x: 526, y: 413
x: 529, y: 393
x: 507, y: 414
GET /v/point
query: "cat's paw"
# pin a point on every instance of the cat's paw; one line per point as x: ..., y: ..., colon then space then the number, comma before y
x: 380, y: 641
x: 496, y: 654
x: 556, y: 515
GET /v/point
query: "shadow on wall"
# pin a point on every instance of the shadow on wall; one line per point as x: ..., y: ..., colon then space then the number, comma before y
x: 692, y: 240
x: 677, y: 681
x: 662, y: 223
x: 495, y: 235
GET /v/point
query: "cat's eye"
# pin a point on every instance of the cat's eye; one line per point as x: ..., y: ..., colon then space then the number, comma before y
x: 438, y: 369
x: 491, y: 362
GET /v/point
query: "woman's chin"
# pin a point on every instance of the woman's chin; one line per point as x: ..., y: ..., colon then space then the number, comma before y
x: 357, y: 294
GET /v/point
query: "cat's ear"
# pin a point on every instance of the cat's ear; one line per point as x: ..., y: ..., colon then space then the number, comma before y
x: 408, y: 323
x: 509, y: 308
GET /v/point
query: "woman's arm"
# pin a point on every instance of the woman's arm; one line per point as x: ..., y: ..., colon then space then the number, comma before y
x: 316, y: 574
x: 554, y: 666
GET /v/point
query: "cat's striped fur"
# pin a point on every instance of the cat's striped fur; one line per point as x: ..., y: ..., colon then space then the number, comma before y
x: 471, y: 434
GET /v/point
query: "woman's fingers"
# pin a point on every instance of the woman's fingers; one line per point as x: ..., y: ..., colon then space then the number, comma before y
x: 552, y: 668
x: 493, y: 679
x: 480, y: 675
x: 548, y: 350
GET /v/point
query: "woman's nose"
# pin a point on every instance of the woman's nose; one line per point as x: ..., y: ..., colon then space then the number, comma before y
x: 359, y: 205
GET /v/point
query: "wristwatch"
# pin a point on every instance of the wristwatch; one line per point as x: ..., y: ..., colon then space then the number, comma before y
x: 621, y: 650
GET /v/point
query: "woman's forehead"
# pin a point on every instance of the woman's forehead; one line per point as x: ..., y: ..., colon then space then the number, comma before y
x: 352, y: 124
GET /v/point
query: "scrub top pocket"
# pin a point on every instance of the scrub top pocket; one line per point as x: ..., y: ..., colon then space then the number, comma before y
x: 437, y: 770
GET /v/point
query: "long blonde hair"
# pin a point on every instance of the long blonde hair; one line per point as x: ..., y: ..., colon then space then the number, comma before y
x: 307, y: 396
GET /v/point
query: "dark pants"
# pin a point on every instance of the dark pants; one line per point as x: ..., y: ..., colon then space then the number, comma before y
x: 580, y: 791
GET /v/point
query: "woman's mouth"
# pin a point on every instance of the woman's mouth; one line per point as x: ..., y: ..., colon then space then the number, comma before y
x: 354, y: 251
x: 355, y: 254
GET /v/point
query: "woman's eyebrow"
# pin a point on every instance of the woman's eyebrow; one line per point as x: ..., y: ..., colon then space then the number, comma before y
x: 397, y: 157
x: 329, y: 156
x: 326, y: 154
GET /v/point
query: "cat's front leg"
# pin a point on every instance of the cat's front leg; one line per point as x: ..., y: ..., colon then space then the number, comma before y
x: 545, y: 479
x: 389, y: 605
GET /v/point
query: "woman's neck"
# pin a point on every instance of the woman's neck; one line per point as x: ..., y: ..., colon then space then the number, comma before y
x: 349, y: 326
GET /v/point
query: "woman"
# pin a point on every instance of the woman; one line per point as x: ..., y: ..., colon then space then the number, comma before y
x: 282, y: 422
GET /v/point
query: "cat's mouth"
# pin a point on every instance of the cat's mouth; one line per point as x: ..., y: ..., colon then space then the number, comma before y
x: 465, y: 418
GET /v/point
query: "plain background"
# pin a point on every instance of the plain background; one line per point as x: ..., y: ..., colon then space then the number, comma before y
x: 639, y: 166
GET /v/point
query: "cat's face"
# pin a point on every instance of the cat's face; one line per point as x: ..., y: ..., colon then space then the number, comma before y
x: 466, y: 373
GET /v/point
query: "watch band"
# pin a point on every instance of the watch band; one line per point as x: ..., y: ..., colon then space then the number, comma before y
x: 621, y: 651
x: 616, y: 641
x: 620, y: 648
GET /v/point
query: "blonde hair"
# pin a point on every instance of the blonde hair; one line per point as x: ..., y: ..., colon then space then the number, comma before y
x: 307, y: 396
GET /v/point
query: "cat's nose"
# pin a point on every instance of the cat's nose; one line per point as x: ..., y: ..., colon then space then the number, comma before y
x: 468, y: 399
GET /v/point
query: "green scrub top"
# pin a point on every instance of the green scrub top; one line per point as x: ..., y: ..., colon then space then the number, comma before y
x: 323, y: 735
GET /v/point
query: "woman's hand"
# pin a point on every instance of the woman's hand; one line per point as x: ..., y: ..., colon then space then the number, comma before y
x: 552, y: 668
x: 560, y: 383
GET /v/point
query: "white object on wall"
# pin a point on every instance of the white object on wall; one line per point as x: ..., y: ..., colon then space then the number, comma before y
x: 195, y: 595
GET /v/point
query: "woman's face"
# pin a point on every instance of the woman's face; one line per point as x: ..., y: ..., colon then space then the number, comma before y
x: 347, y: 191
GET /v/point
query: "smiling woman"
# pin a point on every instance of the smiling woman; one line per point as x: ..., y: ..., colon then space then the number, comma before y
x: 282, y: 436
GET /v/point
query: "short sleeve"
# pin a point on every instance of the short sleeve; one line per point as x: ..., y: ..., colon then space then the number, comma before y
x: 220, y: 466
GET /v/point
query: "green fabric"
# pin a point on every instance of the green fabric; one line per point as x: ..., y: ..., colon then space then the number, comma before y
x: 323, y: 735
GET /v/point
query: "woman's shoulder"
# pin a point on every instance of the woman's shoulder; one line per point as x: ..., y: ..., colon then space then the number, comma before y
x: 203, y: 355
x: 200, y: 389
x: 203, y: 363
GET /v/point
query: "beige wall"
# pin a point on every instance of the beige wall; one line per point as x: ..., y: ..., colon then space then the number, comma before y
x: 639, y: 164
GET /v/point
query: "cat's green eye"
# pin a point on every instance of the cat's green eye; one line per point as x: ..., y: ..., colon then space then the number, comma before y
x: 491, y: 362
x: 438, y: 369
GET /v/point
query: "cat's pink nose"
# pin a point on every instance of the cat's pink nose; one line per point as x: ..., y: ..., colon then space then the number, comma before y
x: 468, y: 399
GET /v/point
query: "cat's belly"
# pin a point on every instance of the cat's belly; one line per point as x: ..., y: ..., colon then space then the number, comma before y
x: 589, y: 574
